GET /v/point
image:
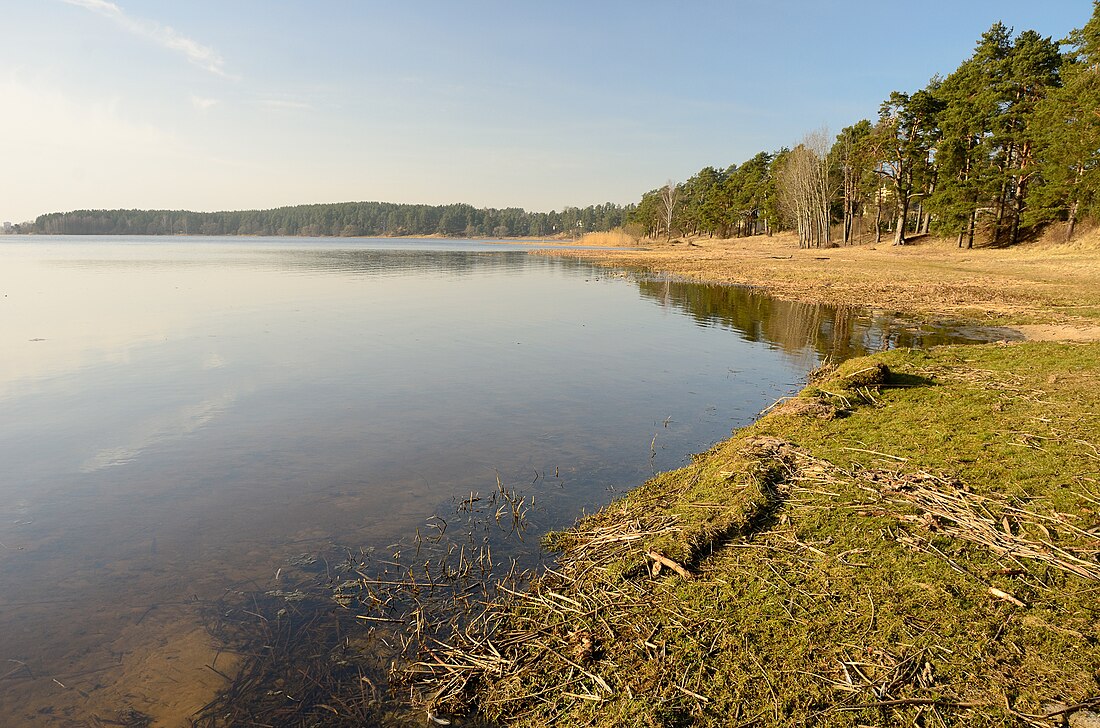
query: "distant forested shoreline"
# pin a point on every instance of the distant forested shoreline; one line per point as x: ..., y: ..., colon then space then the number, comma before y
x: 346, y: 219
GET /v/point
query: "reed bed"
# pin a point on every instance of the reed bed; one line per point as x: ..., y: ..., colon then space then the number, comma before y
x: 343, y: 646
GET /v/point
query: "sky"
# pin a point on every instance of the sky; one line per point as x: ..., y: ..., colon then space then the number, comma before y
x: 251, y: 104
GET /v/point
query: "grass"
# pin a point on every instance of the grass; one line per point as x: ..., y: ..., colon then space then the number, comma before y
x: 911, y: 541
x: 613, y: 238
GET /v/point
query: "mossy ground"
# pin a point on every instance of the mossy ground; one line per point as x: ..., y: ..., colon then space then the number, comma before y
x: 916, y: 552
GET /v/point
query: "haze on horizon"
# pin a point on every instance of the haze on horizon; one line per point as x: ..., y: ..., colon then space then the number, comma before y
x: 216, y: 106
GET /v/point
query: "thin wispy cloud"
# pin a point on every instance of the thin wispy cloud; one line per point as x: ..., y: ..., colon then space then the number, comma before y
x: 201, y: 103
x: 283, y: 104
x: 202, y: 56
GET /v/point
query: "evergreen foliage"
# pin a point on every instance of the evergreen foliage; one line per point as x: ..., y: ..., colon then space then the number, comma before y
x: 346, y: 219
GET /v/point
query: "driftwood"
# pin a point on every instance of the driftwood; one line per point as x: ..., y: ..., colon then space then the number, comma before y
x: 659, y: 561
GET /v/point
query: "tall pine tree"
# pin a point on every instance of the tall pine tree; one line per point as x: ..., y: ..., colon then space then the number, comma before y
x: 1067, y: 139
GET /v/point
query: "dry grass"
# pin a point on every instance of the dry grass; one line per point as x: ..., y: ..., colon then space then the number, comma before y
x: 616, y: 238
x: 1040, y: 283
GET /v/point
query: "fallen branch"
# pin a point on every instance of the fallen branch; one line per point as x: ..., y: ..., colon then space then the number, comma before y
x: 665, y: 561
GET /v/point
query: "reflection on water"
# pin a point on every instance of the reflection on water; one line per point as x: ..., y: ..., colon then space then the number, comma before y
x: 178, y: 416
x: 830, y: 331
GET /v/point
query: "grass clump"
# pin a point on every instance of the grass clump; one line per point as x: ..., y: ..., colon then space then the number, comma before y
x: 925, y: 554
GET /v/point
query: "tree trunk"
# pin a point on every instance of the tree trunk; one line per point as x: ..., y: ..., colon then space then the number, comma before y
x: 903, y: 213
x: 1071, y: 220
x: 849, y: 204
x: 1017, y: 209
x: 1002, y: 195
x: 1000, y: 214
x: 1020, y: 193
x: 878, y: 216
x: 1071, y: 223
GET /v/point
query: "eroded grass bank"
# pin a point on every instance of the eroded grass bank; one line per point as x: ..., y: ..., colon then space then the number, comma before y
x: 911, y: 541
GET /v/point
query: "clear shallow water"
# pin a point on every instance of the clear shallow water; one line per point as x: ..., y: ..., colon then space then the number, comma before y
x: 178, y: 415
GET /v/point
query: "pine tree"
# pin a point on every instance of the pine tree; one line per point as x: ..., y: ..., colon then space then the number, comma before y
x: 1033, y: 71
x: 1067, y: 138
x: 906, y: 133
x: 965, y: 154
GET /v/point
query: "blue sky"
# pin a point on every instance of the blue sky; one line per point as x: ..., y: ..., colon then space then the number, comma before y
x: 255, y: 103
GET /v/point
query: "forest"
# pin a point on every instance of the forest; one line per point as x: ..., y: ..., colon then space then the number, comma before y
x: 340, y: 219
x: 996, y: 150
x: 1006, y: 143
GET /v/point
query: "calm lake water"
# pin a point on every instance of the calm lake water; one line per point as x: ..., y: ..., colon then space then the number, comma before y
x: 179, y: 415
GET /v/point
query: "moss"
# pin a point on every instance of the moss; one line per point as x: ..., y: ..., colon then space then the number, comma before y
x: 873, y: 374
x: 809, y: 406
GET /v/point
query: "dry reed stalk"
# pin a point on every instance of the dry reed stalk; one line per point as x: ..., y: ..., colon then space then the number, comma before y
x: 951, y: 510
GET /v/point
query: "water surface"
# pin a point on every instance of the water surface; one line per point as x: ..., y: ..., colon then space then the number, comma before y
x: 179, y: 415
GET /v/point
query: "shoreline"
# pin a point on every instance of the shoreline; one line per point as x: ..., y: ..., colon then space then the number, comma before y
x: 913, y: 536
x: 1047, y: 292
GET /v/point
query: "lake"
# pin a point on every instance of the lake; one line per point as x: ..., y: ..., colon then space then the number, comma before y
x: 181, y: 416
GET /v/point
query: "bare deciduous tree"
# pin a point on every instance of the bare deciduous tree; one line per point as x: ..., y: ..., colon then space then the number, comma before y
x: 669, y: 197
x: 806, y: 191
